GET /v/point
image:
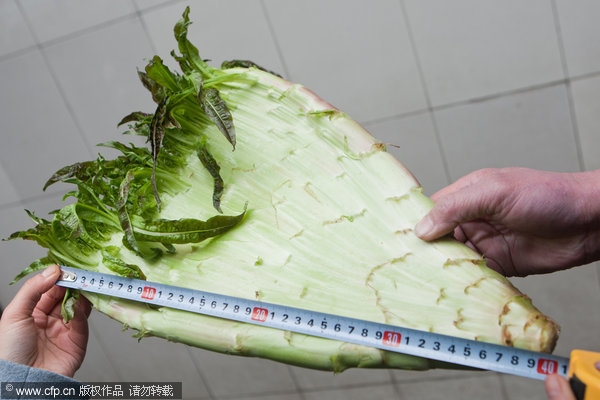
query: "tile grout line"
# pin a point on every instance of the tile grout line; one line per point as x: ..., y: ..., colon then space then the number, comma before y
x: 55, y: 80
x: 436, y: 130
x: 87, y: 30
x: 201, y: 375
x: 396, y: 385
x: 299, y: 389
x: 103, y: 346
x: 24, y: 201
x: 138, y: 13
x: 503, y: 390
x: 286, y: 71
x: 565, y: 68
x: 481, y: 99
x: 8, y: 176
x: 140, y: 18
x: 388, y: 118
x: 345, y: 387
x: 16, y: 53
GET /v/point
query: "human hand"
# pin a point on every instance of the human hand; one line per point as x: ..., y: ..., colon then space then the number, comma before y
x: 523, y: 221
x: 558, y: 388
x: 32, y: 331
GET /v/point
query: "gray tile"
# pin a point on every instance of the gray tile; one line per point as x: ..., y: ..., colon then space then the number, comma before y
x: 39, y: 135
x: 309, y: 379
x: 16, y: 255
x: 354, y: 54
x: 9, y: 193
x: 100, y: 80
x: 51, y: 20
x: 412, y: 140
x: 96, y: 366
x: 571, y: 299
x: 150, y: 360
x: 586, y: 98
x: 580, y: 34
x: 275, y: 396
x: 232, y: 376
x: 145, y: 4
x: 486, y: 387
x: 14, y: 33
x: 235, y: 29
x: 470, y: 48
x: 531, y: 129
x: 523, y: 388
x: 401, y: 376
x: 375, y: 392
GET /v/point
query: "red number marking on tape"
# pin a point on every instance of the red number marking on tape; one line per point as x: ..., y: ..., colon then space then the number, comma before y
x: 547, y: 367
x: 148, y: 293
x: 391, y: 338
x: 260, y: 314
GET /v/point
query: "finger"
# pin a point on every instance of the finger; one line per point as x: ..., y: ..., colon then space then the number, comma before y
x: 461, y: 183
x: 558, y: 388
x: 86, y: 306
x: 30, y: 293
x: 50, y: 299
x: 459, y: 234
x: 78, y: 326
x: 463, y: 206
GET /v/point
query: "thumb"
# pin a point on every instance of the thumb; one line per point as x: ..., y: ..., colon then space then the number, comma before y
x: 453, y: 209
x: 558, y: 388
x: 29, y: 295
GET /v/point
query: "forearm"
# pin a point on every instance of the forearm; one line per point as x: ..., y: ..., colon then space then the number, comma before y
x: 14, y: 372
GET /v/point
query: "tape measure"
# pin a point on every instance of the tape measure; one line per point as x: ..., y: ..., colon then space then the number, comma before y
x: 430, y: 345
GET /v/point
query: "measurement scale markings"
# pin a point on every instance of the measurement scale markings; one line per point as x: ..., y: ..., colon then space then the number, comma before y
x: 382, y: 336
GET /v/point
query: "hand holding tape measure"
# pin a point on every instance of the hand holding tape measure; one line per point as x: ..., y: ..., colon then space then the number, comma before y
x: 583, y: 376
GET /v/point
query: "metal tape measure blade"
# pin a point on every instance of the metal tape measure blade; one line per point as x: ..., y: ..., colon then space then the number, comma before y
x: 430, y: 345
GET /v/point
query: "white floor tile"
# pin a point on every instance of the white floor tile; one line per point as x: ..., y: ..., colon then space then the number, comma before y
x: 571, y: 299
x: 523, y: 388
x: 412, y: 140
x: 150, y: 360
x: 145, y: 4
x: 402, y: 376
x: 354, y: 54
x: 483, y: 387
x: 51, y: 20
x: 221, y: 31
x: 39, y: 136
x: 309, y: 379
x: 101, y: 81
x: 279, y: 396
x: 14, y: 33
x: 472, y: 48
x: 531, y: 129
x: 9, y: 193
x: 375, y: 392
x: 236, y: 376
x: 580, y: 34
x: 586, y: 98
x: 96, y: 366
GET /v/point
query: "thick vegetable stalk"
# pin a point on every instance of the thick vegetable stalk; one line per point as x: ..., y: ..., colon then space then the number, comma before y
x: 309, y: 210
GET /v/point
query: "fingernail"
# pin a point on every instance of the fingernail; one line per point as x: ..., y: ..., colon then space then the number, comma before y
x: 49, y: 271
x: 424, y: 227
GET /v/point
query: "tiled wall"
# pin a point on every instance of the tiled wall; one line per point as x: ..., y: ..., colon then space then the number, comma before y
x: 456, y: 85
